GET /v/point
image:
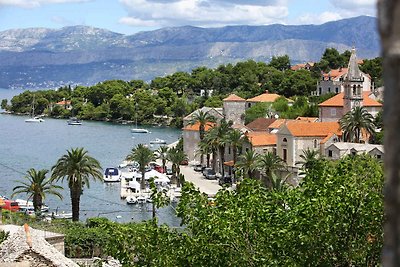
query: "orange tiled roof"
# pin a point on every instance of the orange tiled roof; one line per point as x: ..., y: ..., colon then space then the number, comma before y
x: 337, y: 101
x: 298, y: 67
x: 311, y: 119
x: 261, y: 139
x: 196, y: 126
x: 233, y: 97
x: 64, y: 102
x: 276, y: 124
x: 320, y: 129
x: 335, y: 73
x: 266, y: 97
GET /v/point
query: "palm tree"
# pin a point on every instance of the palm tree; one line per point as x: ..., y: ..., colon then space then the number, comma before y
x: 278, y: 183
x: 219, y: 133
x: 142, y: 155
x: 76, y: 167
x: 202, y: 118
x: 212, y: 145
x: 162, y: 153
x: 37, y: 186
x: 205, y: 149
x: 309, y: 158
x: 270, y: 163
x: 176, y: 156
x: 354, y: 121
x: 248, y: 163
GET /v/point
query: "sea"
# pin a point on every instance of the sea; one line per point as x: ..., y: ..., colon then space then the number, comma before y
x: 39, y: 145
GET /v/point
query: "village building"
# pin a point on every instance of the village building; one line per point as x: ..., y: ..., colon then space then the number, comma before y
x: 260, y: 124
x: 234, y: 108
x: 354, y: 95
x: 335, y: 80
x: 191, y: 139
x: 294, y: 137
x: 266, y: 97
x: 303, y: 66
x: 66, y: 104
x: 340, y: 149
x: 217, y: 113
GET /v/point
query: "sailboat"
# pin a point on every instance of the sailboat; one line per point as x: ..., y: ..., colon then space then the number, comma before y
x: 33, y: 118
x: 136, y: 129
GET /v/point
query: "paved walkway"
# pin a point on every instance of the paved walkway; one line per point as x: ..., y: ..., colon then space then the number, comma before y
x: 210, y: 187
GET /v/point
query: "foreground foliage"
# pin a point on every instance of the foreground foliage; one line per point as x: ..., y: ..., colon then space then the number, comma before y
x: 334, y: 218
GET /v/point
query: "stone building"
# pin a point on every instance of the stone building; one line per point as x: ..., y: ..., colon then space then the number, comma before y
x: 234, y: 108
x: 191, y: 139
x: 217, y: 113
x: 340, y: 149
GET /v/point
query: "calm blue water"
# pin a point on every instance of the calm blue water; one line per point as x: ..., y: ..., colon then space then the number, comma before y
x: 39, y: 145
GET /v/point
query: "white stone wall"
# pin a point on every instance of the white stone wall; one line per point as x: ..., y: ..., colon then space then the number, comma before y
x: 191, y: 140
x: 327, y: 114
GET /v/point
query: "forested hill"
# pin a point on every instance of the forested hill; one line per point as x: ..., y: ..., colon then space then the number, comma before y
x: 43, y: 58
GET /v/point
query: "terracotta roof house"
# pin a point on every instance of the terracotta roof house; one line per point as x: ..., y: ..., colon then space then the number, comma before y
x: 295, y: 136
x: 302, y: 66
x: 274, y: 127
x: 266, y: 97
x: 261, y: 142
x: 310, y: 119
x: 260, y: 124
x: 65, y: 104
x: 333, y: 81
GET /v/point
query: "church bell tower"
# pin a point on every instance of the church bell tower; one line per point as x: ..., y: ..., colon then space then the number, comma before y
x: 353, y: 85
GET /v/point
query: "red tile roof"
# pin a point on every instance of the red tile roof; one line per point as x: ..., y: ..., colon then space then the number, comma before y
x: 317, y: 129
x: 64, y: 102
x: 266, y: 97
x: 336, y: 73
x: 196, y: 126
x: 276, y: 124
x: 337, y: 101
x: 311, y: 119
x: 261, y: 138
x: 233, y: 98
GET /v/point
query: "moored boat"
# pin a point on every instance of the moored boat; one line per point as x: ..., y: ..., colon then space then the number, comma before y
x: 28, y: 205
x: 112, y: 175
x: 139, y: 130
x: 158, y: 141
x: 131, y: 200
x: 74, y: 121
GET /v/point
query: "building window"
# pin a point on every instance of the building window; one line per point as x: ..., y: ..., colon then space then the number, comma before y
x: 284, y: 155
x: 315, y: 143
x: 337, y: 89
x: 274, y: 151
x: 329, y: 89
x: 353, y: 153
x: 330, y: 153
x: 378, y: 156
x: 354, y: 89
x: 284, y: 140
x: 229, y: 150
x: 249, y: 105
x: 320, y: 90
x: 333, y: 111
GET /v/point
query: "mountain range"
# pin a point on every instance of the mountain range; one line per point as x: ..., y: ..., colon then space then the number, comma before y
x: 48, y: 58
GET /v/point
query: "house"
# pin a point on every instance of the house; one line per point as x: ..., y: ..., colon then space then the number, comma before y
x: 333, y: 108
x: 191, y: 139
x: 266, y: 97
x: 334, y: 80
x: 274, y: 127
x: 294, y: 136
x: 354, y: 95
x: 340, y: 149
x: 303, y: 66
x: 310, y: 119
x: 66, y: 104
x: 261, y: 142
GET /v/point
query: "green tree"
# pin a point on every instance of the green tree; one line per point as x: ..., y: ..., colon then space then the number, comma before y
x: 269, y: 163
x: 203, y: 119
x: 176, y: 156
x: 354, y: 121
x: 219, y: 133
x: 280, y: 62
x: 142, y: 155
x: 37, y: 186
x: 259, y: 110
x: 309, y: 159
x: 76, y: 167
x: 248, y: 163
x: 162, y: 154
x: 3, y: 104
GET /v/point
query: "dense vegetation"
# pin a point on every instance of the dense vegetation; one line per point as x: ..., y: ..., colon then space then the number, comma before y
x: 334, y: 218
x: 168, y: 99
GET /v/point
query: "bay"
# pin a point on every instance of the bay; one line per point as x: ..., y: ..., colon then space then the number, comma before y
x: 39, y: 145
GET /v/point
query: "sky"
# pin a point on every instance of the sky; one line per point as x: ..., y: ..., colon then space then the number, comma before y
x: 132, y: 16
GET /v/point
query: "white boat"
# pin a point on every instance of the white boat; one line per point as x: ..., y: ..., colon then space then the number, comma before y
x: 61, y: 215
x: 141, y: 199
x: 139, y: 130
x: 158, y: 141
x: 131, y: 200
x: 74, y: 121
x: 34, y: 118
x: 28, y: 205
x: 112, y: 175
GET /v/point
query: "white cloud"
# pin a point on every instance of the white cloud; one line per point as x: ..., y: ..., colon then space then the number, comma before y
x: 35, y: 3
x: 164, y: 13
x: 351, y: 8
x: 318, y: 18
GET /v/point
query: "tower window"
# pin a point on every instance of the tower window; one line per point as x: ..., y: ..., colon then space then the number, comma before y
x: 337, y: 89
